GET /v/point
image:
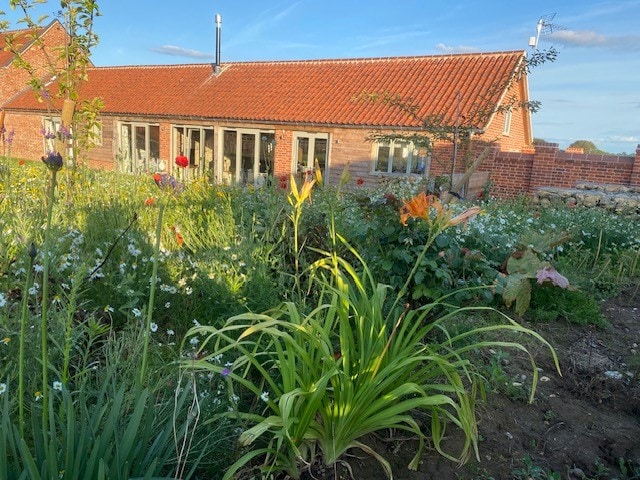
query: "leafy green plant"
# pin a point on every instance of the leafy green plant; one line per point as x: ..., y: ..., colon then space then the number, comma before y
x: 531, y: 471
x: 355, y: 364
x: 524, y: 265
x: 115, y: 435
x: 574, y: 306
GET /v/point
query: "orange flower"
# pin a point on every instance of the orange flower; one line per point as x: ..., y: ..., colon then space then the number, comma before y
x: 464, y: 216
x: 149, y: 201
x: 179, y: 239
x: 420, y: 207
x: 20, y: 163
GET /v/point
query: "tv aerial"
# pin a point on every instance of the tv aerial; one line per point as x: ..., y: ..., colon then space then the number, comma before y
x: 544, y: 27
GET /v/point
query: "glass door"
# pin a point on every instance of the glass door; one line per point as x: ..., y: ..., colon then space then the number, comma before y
x: 311, y: 149
x: 248, y: 156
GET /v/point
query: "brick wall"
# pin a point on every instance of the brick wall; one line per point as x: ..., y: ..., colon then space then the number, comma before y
x: 511, y: 173
x: 39, y: 56
x: 548, y: 166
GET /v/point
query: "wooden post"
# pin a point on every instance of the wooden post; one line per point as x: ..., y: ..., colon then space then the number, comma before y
x: 66, y: 120
x: 467, y: 175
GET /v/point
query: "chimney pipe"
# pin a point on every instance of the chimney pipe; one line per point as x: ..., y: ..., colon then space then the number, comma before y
x: 218, y: 29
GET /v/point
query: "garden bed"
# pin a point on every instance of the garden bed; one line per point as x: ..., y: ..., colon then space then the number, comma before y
x: 583, y: 424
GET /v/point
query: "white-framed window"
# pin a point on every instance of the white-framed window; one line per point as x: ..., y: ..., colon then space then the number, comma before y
x: 95, y: 134
x: 248, y: 155
x: 195, y: 143
x: 138, y: 147
x: 507, y: 122
x: 310, y: 149
x: 399, y: 157
x: 50, y: 130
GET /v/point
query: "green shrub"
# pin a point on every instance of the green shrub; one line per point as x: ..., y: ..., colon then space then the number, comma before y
x: 574, y: 306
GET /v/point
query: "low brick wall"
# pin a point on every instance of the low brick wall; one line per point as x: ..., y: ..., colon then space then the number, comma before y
x: 616, y: 198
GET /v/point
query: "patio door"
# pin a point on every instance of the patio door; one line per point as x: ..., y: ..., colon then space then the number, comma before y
x: 311, y: 149
x: 247, y: 156
x: 195, y: 143
x: 139, y: 147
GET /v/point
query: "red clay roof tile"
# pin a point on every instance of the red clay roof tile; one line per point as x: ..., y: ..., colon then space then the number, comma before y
x: 305, y: 92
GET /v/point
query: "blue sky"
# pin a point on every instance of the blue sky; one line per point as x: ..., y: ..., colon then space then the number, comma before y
x: 591, y: 92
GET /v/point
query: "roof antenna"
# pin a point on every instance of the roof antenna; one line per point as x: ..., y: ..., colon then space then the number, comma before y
x: 218, y: 29
x: 544, y: 27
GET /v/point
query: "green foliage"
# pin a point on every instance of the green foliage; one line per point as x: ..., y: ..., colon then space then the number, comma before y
x: 117, y: 434
x: 530, y: 471
x: 574, y: 306
x: 228, y: 252
x: 347, y: 369
x: 587, y: 146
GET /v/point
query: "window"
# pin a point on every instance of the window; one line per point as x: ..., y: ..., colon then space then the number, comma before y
x: 310, y: 149
x: 50, y: 129
x: 95, y: 135
x: 51, y: 132
x: 247, y: 156
x: 195, y: 143
x: 400, y: 157
x: 139, y: 148
x: 507, y: 122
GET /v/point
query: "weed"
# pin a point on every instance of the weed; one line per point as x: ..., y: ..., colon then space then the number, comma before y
x: 530, y: 471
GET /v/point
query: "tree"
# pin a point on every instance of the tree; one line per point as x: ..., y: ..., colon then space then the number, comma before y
x: 587, y: 146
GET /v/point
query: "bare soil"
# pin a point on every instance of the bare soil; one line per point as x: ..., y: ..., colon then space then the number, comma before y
x: 584, y: 424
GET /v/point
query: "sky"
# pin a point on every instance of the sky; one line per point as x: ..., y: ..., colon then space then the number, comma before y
x: 590, y: 92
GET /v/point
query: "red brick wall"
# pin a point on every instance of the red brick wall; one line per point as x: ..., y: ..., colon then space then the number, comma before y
x: 512, y: 173
x: 548, y: 166
x: 519, y: 135
x: 14, y: 80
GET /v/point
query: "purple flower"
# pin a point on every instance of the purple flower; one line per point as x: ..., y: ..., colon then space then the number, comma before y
x: 225, y: 372
x: 64, y: 133
x: 47, y: 134
x: 167, y: 182
x: 7, y: 136
x: 53, y: 161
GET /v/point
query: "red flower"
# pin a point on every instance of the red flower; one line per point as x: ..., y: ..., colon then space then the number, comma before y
x: 360, y: 181
x: 182, y: 161
x: 21, y: 162
x: 179, y: 239
x: 149, y: 201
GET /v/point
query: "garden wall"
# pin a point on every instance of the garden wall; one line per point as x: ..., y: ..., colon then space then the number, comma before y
x: 616, y: 198
x: 515, y: 173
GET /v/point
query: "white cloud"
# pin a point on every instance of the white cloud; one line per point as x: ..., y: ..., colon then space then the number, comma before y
x: 181, y: 52
x: 268, y: 21
x: 589, y: 39
x: 441, y: 47
x: 624, y: 138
